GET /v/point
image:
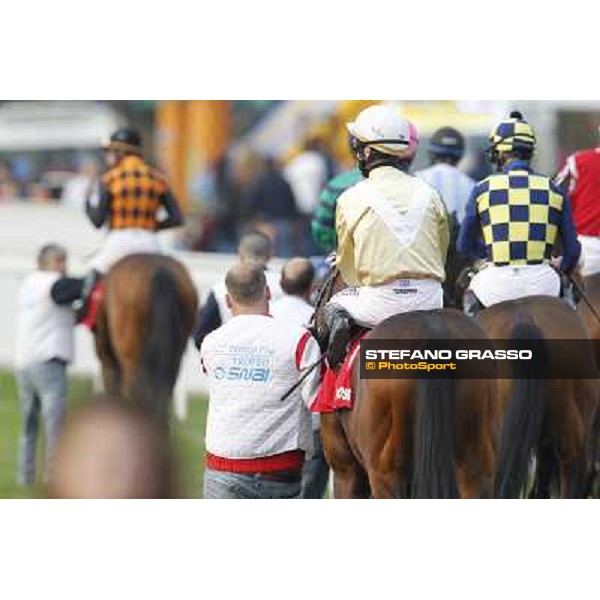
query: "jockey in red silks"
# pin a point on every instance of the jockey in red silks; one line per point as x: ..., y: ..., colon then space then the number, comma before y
x: 581, y: 176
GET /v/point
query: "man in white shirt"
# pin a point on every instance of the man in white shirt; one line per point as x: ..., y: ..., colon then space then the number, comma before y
x: 255, y: 441
x: 254, y: 247
x: 307, y: 174
x: 44, y: 347
x: 297, y: 280
x: 297, y: 277
x: 77, y: 189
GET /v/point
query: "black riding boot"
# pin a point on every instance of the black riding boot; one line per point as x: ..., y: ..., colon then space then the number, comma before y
x: 338, y: 322
x: 471, y: 304
x: 80, y: 306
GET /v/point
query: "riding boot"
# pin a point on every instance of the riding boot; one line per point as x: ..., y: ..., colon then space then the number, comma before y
x: 471, y: 304
x: 568, y: 292
x: 81, y: 305
x: 338, y: 322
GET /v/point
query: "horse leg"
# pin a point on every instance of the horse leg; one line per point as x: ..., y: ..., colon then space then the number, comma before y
x: 111, y: 372
x: 349, y: 478
x: 390, y: 484
x: 476, y: 427
x: 475, y: 470
x: 571, y: 458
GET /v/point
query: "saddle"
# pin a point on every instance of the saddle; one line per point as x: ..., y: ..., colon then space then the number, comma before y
x: 336, y: 391
x: 89, y: 313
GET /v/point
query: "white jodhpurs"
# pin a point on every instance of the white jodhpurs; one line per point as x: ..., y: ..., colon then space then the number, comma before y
x: 494, y: 284
x: 369, y: 305
x: 121, y: 243
x: 590, y: 254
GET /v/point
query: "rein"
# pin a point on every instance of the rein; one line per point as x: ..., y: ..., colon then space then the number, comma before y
x: 325, y: 291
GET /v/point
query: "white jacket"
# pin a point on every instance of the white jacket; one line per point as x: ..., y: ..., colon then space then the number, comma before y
x: 44, y: 329
x: 251, y: 362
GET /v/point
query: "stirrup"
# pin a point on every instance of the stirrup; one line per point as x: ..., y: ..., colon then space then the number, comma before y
x: 81, y: 305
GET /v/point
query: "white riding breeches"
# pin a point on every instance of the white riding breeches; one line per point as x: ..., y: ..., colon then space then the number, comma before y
x: 494, y: 284
x: 590, y: 251
x: 121, y: 243
x: 369, y: 305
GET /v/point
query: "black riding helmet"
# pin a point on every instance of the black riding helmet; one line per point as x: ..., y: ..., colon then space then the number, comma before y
x: 447, y: 141
x: 125, y: 139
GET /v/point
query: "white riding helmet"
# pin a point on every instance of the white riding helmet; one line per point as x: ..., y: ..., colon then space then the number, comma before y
x: 385, y: 130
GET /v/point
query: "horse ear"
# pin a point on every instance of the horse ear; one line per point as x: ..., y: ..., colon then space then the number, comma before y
x: 228, y: 301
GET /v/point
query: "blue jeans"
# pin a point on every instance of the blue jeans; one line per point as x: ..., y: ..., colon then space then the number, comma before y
x: 42, y: 389
x: 222, y: 485
x: 315, y: 473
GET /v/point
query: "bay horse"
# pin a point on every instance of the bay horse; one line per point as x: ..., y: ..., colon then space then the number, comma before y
x: 144, y: 321
x: 427, y: 438
x: 550, y: 420
x: 591, y: 289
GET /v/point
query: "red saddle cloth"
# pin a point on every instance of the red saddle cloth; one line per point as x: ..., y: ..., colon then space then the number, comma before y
x: 336, y: 388
x: 89, y: 320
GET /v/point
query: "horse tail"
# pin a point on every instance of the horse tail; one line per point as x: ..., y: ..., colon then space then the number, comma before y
x: 522, y: 422
x: 163, y: 344
x: 434, y: 472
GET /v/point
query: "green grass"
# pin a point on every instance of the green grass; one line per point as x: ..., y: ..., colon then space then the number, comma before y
x: 188, y: 439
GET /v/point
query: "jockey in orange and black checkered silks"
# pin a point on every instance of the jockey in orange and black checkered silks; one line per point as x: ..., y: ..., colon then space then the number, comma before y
x: 513, y: 220
x: 392, y: 232
x: 133, y: 201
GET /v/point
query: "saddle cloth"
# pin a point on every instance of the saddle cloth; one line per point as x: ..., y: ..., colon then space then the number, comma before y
x: 89, y: 319
x: 336, y: 390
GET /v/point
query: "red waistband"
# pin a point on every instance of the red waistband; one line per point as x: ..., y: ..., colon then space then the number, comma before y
x: 287, y: 461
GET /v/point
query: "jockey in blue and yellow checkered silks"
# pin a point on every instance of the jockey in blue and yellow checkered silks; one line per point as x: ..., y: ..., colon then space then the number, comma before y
x: 515, y: 216
x: 519, y: 214
x: 512, y: 134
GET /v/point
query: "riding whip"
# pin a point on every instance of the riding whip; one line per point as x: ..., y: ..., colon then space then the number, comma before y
x: 306, y: 373
x: 310, y: 369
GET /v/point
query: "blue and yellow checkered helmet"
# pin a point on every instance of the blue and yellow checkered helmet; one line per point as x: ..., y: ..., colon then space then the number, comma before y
x: 511, y: 135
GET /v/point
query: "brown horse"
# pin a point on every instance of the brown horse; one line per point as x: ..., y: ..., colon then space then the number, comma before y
x: 414, y: 438
x: 591, y: 286
x: 144, y: 322
x: 549, y: 419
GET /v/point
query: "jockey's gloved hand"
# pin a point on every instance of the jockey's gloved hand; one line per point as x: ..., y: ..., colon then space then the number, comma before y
x: 556, y: 263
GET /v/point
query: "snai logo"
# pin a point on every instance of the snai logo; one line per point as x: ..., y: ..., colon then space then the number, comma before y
x: 248, y: 374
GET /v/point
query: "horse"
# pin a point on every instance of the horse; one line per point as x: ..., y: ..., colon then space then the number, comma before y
x: 427, y: 438
x: 144, y: 321
x: 591, y: 289
x: 549, y: 419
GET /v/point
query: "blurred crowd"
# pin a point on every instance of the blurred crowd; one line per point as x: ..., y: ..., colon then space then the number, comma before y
x: 51, y: 178
x: 247, y: 191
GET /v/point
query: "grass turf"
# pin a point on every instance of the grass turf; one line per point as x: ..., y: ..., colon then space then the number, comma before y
x: 188, y: 439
